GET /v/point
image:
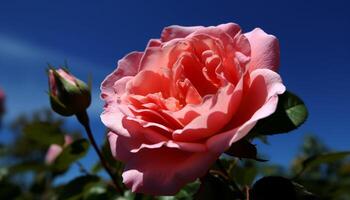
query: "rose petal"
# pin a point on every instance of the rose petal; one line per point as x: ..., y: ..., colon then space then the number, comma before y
x: 112, y: 117
x: 168, y: 163
x: 127, y: 66
x: 260, y: 102
x: 265, y: 50
x: 155, y: 172
x: 231, y: 29
x: 121, y: 84
x: 119, y: 146
x: 214, y: 116
x: 154, y: 43
x: 149, y: 82
x: 184, y: 146
x: 175, y: 31
x: 160, y: 58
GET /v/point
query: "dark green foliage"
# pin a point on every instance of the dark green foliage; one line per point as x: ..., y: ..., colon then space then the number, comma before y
x: 323, y: 158
x: 22, y: 162
x: 44, y: 133
x: 214, y: 186
x: 322, y: 171
x: 75, y: 189
x: 70, y: 154
x: 273, y: 188
x: 277, y: 187
x: 9, y: 190
x: 243, y: 149
x: 291, y: 113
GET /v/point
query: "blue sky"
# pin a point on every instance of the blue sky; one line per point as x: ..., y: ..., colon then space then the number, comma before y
x: 314, y: 40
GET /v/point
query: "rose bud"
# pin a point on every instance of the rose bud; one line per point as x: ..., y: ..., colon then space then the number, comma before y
x: 55, y: 150
x: 68, y: 95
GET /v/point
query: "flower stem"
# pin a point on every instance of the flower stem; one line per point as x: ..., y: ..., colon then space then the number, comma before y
x: 83, y: 118
x: 232, y: 182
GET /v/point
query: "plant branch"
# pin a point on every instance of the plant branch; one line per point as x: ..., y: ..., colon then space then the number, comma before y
x: 83, y: 118
x: 232, y: 182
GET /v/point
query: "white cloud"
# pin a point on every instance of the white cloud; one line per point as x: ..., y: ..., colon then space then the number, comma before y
x: 22, y: 74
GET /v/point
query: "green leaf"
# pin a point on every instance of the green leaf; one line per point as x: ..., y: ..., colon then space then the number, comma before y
x: 213, y: 186
x: 186, y: 193
x: 277, y: 187
x: 323, y: 158
x: 128, y: 195
x: 290, y: 113
x: 70, y: 154
x: 76, y: 188
x: 244, y: 172
x: 99, y: 191
x: 44, y: 133
x: 26, y: 166
x: 4, y: 172
x: 271, y: 169
x: 96, y: 167
x: 243, y: 149
x: 303, y: 193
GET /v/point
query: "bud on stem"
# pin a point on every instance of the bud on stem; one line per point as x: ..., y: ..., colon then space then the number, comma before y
x: 68, y: 95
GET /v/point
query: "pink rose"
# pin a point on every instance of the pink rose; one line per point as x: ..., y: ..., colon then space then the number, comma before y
x: 55, y: 150
x: 173, y: 109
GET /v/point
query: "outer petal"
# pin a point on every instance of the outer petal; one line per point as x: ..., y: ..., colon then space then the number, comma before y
x: 164, y: 171
x: 230, y: 28
x: 159, y: 58
x: 260, y: 102
x: 175, y: 31
x: 120, y: 146
x: 154, y: 43
x: 114, y: 116
x: 150, y: 167
x: 127, y: 66
x: 265, y: 52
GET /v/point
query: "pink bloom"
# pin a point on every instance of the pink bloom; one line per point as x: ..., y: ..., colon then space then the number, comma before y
x: 173, y: 109
x: 55, y: 150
